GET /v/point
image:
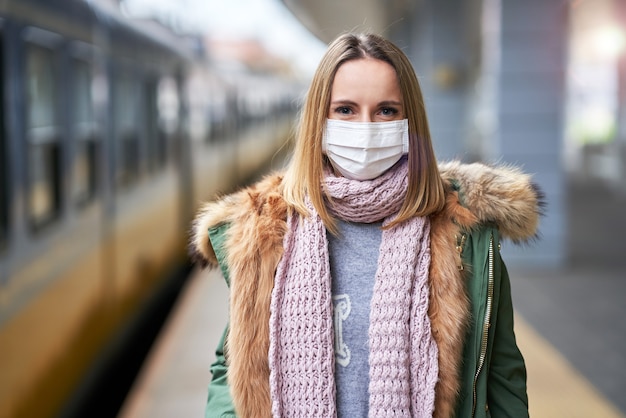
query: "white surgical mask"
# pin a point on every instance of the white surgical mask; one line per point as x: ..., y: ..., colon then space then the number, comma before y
x: 365, y: 150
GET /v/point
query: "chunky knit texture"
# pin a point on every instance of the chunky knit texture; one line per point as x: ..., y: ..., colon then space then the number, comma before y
x: 403, y: 353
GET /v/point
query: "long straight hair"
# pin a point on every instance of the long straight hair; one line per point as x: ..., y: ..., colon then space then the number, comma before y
x: 305, y: 173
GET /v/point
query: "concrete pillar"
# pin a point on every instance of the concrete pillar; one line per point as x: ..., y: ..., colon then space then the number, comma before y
x: 492, y: 72
x: 529, y: 113
x: 439, y: 49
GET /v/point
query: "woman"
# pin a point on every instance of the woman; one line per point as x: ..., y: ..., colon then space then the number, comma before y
x: 366, y: 279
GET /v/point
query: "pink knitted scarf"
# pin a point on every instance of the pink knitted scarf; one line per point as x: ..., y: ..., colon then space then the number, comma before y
x: 403, y: 354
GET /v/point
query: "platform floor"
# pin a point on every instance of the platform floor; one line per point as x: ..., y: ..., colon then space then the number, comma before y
x: 173, y: 382
x: 174, y: 379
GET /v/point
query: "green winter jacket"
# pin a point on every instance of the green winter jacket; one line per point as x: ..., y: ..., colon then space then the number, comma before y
x: 494, y: 374
x: 491, y: 371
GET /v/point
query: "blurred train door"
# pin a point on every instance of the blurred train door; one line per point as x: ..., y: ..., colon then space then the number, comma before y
x: 173, y: 114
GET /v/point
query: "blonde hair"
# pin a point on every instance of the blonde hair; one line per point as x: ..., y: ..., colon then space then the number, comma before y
x: 305, y: 173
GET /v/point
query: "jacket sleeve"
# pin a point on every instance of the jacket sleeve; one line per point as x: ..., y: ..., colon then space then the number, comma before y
x: 219, y: 401
x: 506, y: 386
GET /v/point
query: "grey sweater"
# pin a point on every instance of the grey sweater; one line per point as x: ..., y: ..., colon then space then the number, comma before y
x: 353, y: 261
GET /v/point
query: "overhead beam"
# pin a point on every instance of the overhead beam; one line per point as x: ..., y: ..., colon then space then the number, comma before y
x: 326, y: 19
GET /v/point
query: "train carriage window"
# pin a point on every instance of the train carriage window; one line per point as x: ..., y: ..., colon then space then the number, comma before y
x: 43, y: 137
x: 85, y: 133
x: 155, y: 138
x: 126, y: 132
x: 168, y: 108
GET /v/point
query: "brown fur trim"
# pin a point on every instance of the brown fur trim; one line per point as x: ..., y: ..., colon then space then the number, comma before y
x: 255, y: 248
x: 503, y: 195
x: 226, y: 209
x: 449, y: 305
x: 200, y: 250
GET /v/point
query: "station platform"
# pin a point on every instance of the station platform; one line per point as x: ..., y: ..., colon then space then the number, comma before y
x: 174, y: 379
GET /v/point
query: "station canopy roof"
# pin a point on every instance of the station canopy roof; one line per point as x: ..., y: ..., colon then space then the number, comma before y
x: 326, y: 19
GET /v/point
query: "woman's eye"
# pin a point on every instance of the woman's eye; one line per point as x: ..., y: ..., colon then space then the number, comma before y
x: 344, y: 110
x: 389, y: 111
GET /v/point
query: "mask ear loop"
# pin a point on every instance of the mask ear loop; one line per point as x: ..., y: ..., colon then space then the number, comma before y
x: 405, y: 136
x: 324, y: 139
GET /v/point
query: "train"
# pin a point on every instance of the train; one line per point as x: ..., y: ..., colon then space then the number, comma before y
x: 112, y: 131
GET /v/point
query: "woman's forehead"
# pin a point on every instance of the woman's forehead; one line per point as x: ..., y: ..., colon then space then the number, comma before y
x: 365, y: 77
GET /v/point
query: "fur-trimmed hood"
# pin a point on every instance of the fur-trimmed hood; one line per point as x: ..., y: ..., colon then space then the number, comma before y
x: 503, y: 195
x: 475, y: 194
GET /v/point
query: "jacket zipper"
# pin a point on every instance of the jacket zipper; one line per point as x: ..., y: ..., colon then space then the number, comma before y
x: 486, y: 323
x: 460, y: 243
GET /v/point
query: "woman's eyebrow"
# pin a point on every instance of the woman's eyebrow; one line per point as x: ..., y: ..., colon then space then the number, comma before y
x: 390, y: 103
x: 343, y: 102
x: 350, y: 102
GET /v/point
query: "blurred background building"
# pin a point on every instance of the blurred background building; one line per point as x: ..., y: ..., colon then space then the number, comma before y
x: 120, y: 116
